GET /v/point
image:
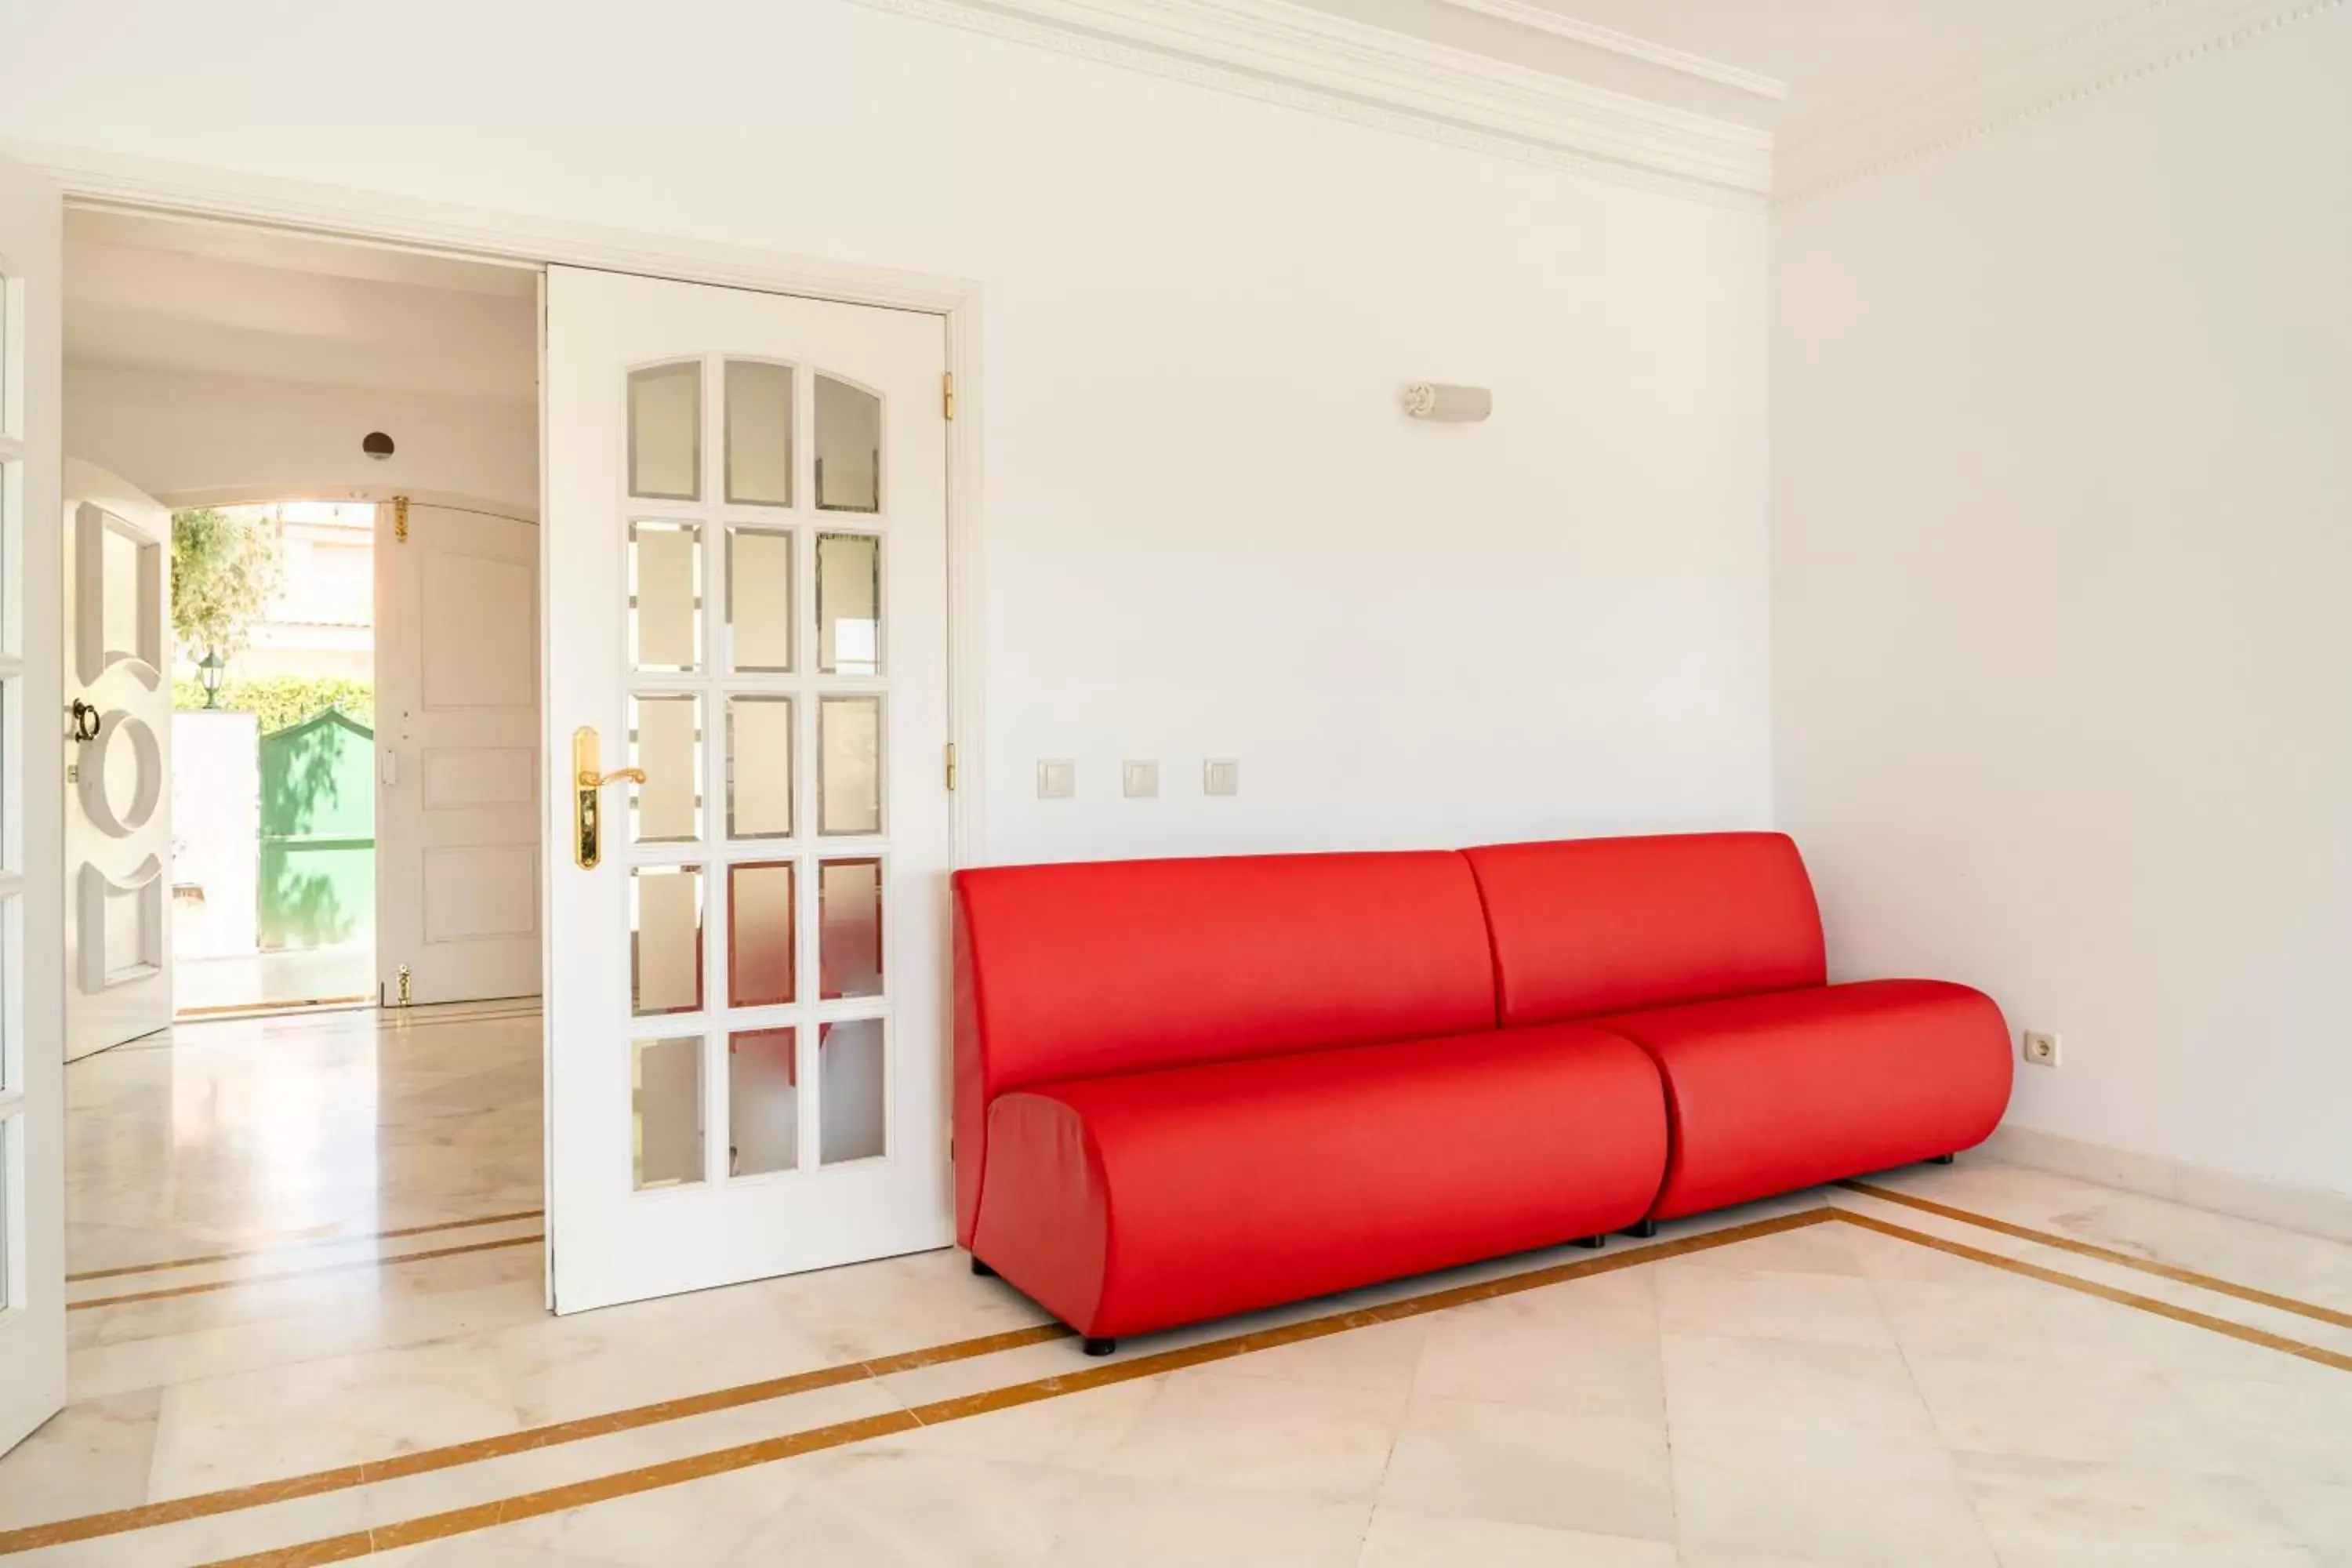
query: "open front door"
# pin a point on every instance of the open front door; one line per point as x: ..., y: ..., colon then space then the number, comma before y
x: 32, y: 767
x: 456, y: 710
x: 749, y: 840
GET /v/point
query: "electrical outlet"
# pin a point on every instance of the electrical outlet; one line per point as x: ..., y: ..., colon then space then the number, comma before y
x: 2040, y: 1049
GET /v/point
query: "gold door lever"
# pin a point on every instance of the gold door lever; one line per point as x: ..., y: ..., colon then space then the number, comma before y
x: 588, y: 795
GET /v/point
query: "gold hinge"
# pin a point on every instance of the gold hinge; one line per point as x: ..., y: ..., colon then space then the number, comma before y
x: 400, y: 518
x: 952, y: 764
x: 947, y: 394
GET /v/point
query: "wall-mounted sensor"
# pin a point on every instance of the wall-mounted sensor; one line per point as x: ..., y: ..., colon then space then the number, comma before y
x: 1449, y: 405
x: 376, y: 444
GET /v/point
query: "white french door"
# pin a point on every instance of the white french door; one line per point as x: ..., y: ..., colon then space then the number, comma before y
x: 117, y: 568
x: 32, y: 769
x: 745, y: 561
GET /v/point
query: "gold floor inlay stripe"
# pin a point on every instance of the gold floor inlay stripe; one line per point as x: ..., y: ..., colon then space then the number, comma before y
x: 2171, y: 1271
x: 232, y: 1500
x: 463, y: 1520
x: 305, y: 1244
x: 672, y: 1472
x: 166, y: 1292
x: 2268, y: 1340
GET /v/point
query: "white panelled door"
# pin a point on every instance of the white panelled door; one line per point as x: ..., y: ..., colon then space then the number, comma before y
x: 457, y: 813
x: 118, y: 909
x: 32, y: 772
x: 749, y: 840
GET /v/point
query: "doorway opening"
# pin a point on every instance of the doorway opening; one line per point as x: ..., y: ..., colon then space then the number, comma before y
x: 273, y: 746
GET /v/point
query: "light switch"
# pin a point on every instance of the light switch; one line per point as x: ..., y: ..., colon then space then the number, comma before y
x: 1057, y: 778
x: 1220, y: 775
x: 1139, y: 781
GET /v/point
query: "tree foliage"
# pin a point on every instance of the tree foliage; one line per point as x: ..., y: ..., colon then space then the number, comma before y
x: 225, y: 566
x: 276, y: 702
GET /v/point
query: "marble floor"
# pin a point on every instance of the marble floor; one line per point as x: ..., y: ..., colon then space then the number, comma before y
x: 274, y: 979
x: 1977, y: 1364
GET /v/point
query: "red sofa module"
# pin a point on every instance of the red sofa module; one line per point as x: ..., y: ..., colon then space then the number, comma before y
x: 1706, y: 950
x: 1191, y: 1088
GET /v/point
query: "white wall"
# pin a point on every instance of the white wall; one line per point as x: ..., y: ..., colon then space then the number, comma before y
x: 188, y: 440
x: 2063, y: 449
x: 1209, y: 531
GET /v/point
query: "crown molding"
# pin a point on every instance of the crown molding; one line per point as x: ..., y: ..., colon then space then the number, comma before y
x: 1302, y: 58
x: 1543, y: 19
x: 1841, y: 143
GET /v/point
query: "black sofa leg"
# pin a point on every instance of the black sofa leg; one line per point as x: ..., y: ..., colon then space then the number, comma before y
x: 1094, y: 1346
x: 1592, y: 1241
x: 1943, y: 1159
x: 982, y: 1270
x: 1643, y: 1228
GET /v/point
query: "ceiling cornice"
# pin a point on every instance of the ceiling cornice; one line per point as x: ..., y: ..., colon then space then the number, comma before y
x: 1543, y: 19
x: 1833, y: 147
x: 1308, y: 60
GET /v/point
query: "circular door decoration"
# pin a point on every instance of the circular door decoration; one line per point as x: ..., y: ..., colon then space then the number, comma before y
x: 121, y: 774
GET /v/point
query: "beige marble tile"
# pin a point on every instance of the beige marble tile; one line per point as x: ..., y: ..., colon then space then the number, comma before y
x: 281, y: 1421
x: 1154, y: 1523
x: 1479, y: 1352
x: 2291, y: 1431
x: 1517, y: 1464
x: 1329, y: 1439
x: 1770, y: 1386
x: 557, y: 1369
x: 2064, y: 1410
x: 1384, y: 1356
x: 2319, y: 1512
x: 1623, y: 1302
x: 1067, y: 1429
x: 1730, y: 1302
x: 1400, y: 1539
x: 2050, y: 1514
x: 898, y: 1304
x: 90, y: 1458
x: 1821, y: 1499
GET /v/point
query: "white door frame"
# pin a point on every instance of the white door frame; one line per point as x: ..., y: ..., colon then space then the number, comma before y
x: 107, y: 180
x: 97, y: 179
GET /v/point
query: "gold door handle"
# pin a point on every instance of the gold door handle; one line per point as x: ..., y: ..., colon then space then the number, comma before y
x: 588, y: 797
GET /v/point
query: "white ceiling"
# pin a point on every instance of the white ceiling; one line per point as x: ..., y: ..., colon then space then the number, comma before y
x: 165, y: 294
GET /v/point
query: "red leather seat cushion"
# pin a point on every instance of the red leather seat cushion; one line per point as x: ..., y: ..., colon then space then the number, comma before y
x: 1133, y: 1202
x: 1778, y: 1091
x: 1078, y: 971
x: 1588, y: 926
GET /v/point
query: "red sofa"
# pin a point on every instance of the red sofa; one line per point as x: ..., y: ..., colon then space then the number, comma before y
x: 1185, y: 1088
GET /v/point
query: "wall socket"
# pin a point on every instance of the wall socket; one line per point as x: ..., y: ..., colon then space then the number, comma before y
x: 2040, y: 1049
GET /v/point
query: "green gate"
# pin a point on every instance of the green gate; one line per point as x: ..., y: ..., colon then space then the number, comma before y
x: 317, y: 832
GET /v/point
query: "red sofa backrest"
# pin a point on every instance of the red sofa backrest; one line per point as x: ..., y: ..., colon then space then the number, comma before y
x: 1587, y: 926
x: 1088, y: 969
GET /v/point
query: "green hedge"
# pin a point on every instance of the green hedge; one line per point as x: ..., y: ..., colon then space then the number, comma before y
x: 278, y: 701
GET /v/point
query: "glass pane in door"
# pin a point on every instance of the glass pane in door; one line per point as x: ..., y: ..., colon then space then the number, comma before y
x: 760, y: 609
x: 849, y: 765
x: 764, y: 1102
x: 852, y: 1084
x: 667, y: 1099
x: 760, y: 934
x: 848, y: 603
x: 665, y: 940
x: 848, y: 447
x: 665, y: 597
x: 849, y: 923
x: 666, y: 431
x: 759, y: 433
